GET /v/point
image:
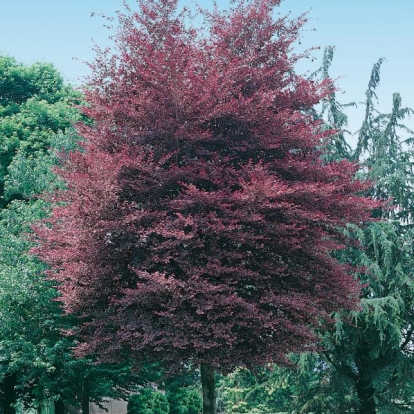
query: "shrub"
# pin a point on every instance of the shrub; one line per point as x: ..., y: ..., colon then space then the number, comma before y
x: 148, y: 401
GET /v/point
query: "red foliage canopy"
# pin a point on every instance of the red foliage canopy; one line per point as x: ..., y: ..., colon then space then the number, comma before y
x: 198, y: 221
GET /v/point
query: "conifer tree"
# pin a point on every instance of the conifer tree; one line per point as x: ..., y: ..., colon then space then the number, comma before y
x: 374, y: 349
x: 367, y: 361
x: 198, y: 220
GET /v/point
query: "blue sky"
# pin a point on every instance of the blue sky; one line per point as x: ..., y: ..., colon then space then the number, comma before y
x: 61, y: 32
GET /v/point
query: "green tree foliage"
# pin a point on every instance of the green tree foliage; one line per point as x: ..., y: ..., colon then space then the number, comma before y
x: 148, y: 401
x: 182, y: 395
x: 185, y: 400
x: 36, y: 117
x: 35, y: 109
x: 267, y: 391
x: 372, y: 348
x: 366, y: 365
x: 36, y: 113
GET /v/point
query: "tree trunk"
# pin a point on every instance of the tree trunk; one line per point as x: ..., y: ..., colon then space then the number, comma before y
x: 59, y: 406
x: 85, y: 396
x: 9, y: 393
x: 366, y: 393
x: 209, y: 389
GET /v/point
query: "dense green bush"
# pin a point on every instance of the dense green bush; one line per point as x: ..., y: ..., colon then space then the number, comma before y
x: 185, y: 400
x: 148, y: 401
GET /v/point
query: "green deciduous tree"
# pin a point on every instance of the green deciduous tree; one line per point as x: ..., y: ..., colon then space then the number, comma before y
x: 36, y: 359
x: 183, y: 394
x: 148, y: 401
x: 35, y: 114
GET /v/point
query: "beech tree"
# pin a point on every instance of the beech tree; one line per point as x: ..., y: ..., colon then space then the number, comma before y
x: 198, y: 220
